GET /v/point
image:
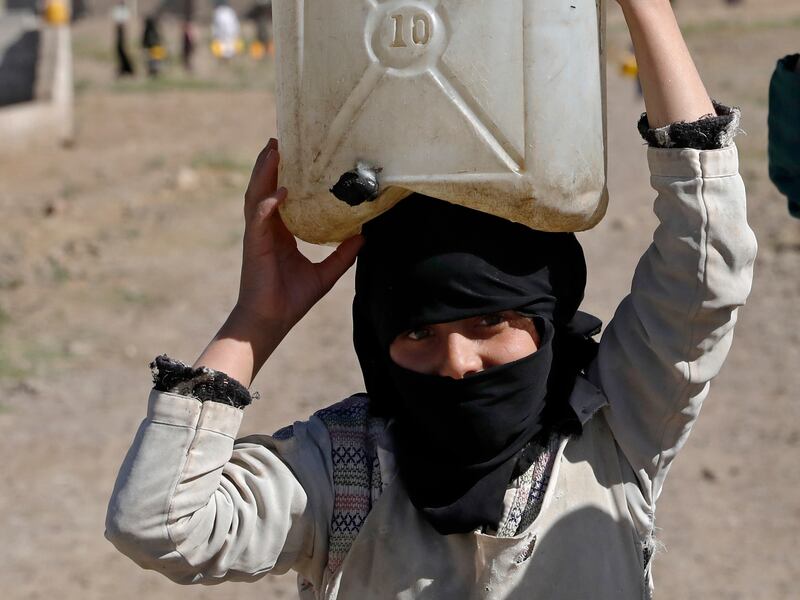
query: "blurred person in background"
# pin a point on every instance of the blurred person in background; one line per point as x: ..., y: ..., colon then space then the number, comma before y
x: 121, y: 15
x: 784, y: 130
x: 188, y: 34
x: 155, y: 53
x: 629, y: 68
x: 225, y: 32
x: 79, y: 10
x: 261, y: 15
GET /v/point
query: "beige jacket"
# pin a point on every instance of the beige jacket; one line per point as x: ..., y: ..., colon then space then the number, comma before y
x: 197, y: 506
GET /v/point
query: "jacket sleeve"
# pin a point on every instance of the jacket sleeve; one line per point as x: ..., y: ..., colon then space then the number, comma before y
x: 671, y: 334
x: 195, y: 505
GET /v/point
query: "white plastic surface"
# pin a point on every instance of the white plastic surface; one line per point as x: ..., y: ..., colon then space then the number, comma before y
x: 494, y: 104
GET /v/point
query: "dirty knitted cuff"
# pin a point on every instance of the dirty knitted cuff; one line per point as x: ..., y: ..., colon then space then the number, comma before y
x: 707, y: 133
x: 203, y: 383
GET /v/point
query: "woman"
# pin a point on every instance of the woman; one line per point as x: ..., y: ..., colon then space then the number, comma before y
x: 499, y: 452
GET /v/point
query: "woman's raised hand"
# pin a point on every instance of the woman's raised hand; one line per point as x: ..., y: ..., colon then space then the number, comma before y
x: 673, y: 90
x: 278, y: 284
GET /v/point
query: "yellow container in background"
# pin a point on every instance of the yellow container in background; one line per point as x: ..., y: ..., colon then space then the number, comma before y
x: 56, y: 12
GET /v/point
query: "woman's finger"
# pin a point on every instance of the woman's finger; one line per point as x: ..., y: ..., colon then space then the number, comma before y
x: 262, y: 157
x: 271, y: 170
x: 341, y: 259
x: 265, y: 231
x: 268, y: 206
x: 264, y: 178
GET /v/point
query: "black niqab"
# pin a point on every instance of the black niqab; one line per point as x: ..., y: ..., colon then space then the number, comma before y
x: 459, y: 441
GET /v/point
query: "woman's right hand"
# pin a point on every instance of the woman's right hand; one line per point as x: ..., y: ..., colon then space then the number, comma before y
x: 278, y: 283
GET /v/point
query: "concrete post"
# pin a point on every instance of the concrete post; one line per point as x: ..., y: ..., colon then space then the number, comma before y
x: 47, y: 116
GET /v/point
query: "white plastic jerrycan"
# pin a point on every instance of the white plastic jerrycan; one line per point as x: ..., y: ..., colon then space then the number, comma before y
x: 498, y: 105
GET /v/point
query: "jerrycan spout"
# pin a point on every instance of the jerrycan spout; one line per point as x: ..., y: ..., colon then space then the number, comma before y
x: 358, y: 185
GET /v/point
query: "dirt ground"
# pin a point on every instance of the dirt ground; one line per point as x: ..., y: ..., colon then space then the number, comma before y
x: 126, y: 245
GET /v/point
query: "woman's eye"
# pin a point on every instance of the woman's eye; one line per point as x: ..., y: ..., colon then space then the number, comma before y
x: 418, y: 334
x: 493, y: 319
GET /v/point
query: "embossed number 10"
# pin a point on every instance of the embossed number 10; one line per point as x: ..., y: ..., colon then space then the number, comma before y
x: 421, y: 30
